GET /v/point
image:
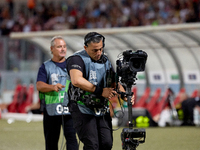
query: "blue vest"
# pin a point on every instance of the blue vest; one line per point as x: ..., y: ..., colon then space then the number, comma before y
x: 55, y: 102
x: 96, y: 74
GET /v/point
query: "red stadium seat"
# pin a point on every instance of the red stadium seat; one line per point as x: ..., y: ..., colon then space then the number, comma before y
x: 195, y: 93
x: 160, y: 105
x: 154, y: 100
x: 28, y: 101
x: 12, y: 107
x: 135, y: 92
x: 177, y: 99
x: 143, y: 99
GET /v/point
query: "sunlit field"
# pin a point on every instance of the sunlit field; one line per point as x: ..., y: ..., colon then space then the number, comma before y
x: 21, y: 135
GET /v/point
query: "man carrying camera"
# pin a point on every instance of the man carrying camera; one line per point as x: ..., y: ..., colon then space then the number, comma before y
x: 89, y: 94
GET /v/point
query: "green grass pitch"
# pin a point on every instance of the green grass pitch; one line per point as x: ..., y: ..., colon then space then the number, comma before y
x: 21, y: 135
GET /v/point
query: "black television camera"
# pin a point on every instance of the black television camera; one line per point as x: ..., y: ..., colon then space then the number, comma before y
x: 129, y: 63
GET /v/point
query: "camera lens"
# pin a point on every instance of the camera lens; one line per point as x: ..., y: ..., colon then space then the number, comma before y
x: 136, y: 64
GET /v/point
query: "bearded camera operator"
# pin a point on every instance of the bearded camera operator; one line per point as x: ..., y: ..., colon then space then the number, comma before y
x: 89, y: 96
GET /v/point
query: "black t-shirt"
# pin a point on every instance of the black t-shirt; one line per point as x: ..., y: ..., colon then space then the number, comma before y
x: 42, y: 74
x: 76, y: 62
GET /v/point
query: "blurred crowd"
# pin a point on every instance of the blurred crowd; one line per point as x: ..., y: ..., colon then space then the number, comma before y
x: 78, y: 14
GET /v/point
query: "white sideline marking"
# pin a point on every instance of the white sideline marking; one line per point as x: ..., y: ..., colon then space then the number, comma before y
x: 22, y: 117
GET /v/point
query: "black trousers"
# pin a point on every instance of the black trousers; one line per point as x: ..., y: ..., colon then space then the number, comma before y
x: 187, y: 107
x: 94, y: 132
x: 52, y: 126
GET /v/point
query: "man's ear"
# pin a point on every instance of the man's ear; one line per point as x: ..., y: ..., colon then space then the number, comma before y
x: 51, y: 49
x: 85, y: 47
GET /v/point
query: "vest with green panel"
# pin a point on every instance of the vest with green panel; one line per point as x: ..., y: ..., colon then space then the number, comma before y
x: 95, y: 74
x: 55, y: 102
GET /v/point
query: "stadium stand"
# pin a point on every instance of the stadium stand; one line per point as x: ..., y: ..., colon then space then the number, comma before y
x: 16, y: 16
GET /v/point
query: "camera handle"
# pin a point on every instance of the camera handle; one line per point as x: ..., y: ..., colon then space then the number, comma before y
x: 129, y: 96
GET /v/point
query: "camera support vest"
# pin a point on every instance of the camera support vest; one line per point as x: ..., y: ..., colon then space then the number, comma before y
x: 95, y: 74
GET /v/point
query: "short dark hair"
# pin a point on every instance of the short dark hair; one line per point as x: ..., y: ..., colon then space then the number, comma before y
x: 93, y: 37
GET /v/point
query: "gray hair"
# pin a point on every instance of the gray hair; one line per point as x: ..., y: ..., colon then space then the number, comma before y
x: 54, y: 38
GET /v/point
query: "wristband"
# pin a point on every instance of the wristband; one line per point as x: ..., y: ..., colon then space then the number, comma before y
x: 98, y: 91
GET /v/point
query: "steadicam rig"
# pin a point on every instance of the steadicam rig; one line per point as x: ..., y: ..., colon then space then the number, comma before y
x: 129, y: 63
